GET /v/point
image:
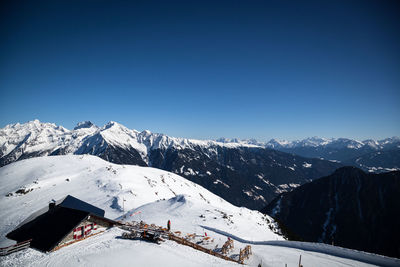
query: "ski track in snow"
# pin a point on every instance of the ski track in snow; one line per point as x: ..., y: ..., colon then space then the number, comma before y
x: 319, y: 248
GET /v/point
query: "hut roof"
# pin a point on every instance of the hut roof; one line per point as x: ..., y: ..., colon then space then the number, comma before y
x: 48, y: 229
x: 74, y: 203
x: 48, y: 226
x: 67, y: 202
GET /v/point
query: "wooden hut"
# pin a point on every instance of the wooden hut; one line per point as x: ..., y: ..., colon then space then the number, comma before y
x: 61, y: 223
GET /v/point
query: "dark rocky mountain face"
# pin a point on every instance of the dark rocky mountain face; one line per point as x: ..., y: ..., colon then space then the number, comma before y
x: 377, y: 161
x: 84, y: 124
x: 351, y: 208
x: 368, y: 155
x: 244, y: 176
x: 367, y: 158
x: 326, y: 152
x: 98, y: 146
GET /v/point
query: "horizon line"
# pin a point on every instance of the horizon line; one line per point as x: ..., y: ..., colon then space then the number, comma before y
x: 215, y: 139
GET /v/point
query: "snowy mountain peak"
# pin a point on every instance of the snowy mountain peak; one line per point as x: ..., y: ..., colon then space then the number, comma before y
x: 275, y: 143
x: 345, y: 142
x: 111, y: 124
x: 317, y: 141
x: 117, y: 127
x: 371, y: 143
x: 36, y: 124
x: 228, y: 140
x: 32, y: 126
x: 390, y: 140
x: 146, y: 133
x: 84, y: 124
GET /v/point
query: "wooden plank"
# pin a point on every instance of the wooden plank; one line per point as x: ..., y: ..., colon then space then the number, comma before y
x: 180, y: 240
x: 195, y: 246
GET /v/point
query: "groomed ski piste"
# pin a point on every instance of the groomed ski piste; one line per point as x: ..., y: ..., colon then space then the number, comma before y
x: 132, y: 193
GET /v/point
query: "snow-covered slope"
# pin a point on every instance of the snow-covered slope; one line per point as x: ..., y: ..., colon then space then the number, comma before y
x: 114, y: 188
x: 109, y: 250
x: 143, y: 193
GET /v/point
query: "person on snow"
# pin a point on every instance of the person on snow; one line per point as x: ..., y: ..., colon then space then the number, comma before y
x: 169, y: 225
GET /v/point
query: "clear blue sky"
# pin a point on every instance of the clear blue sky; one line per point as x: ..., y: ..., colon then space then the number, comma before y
x: 205, y: 69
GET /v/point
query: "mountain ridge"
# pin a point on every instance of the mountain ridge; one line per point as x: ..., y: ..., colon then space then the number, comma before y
x: 244, y: 174
x: 158, y: 140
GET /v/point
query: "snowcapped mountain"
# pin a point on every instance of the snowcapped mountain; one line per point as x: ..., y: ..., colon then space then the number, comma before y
x: 34, y: 138
x: 245, y: 174
x: 308, y: 142
x: 139, y: 193
x: 351, y: 208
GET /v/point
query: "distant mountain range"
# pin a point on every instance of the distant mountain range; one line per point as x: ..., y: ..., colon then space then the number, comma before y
x: 349, y: 208
x: 333, y: 143
x: 369, y: 155
x: 245, y: 174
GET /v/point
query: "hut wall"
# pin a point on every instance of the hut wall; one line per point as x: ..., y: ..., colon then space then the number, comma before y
x: 92, y: 219
x: 70, y: 236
